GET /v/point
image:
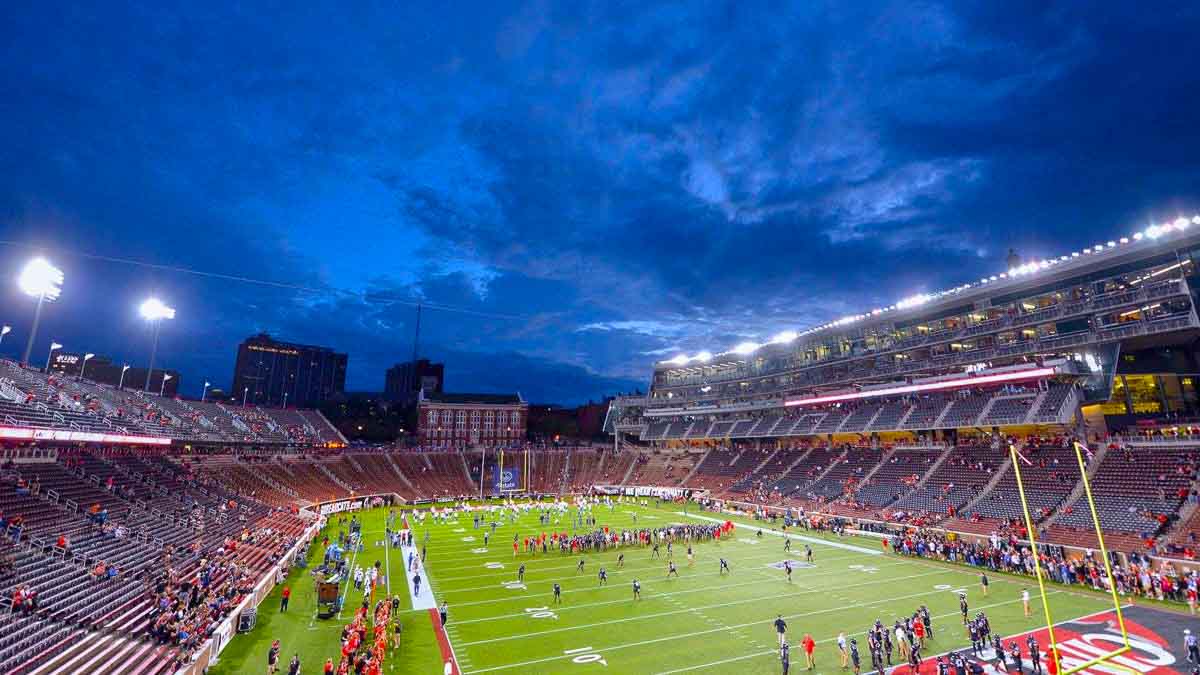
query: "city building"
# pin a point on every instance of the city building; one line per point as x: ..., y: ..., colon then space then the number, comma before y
x: 103, y: 370
x: 470, y: 420
x: 274, y: 373
x: 404, y: 381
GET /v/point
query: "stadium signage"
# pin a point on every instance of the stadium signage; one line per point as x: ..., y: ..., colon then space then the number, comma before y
x: 340, y: 506
x: 932, y: 386
x: 23, y: 434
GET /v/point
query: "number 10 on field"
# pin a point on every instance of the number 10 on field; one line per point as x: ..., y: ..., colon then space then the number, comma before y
x: 586, y: 655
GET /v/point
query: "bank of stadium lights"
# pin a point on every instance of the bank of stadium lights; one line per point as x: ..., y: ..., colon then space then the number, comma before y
x: 1152, y: 232
x: 39, y: 279
x: 154, y: 311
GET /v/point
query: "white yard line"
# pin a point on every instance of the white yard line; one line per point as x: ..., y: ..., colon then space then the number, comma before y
x: 754, y: 570
x: 507, y: 574
x: 703, y: 589
x: 731, y: 603
x: 923, y: 660
x: 763, y: 622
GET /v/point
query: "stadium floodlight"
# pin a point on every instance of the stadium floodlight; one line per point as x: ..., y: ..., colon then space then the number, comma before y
x: 83, y: 364
x: 4, y: 331
x: 679, y: 360
x: 703, y: 357
x: 41, y: 280
x: 784, y: 337
x: 121, y: 382
x: 154, y: 311
x: 163, y: 387
x: 54, y: 346
x: 746, y: 348
x: 204, y: 394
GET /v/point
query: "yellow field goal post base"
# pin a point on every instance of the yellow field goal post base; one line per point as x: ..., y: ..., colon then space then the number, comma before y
x: 1106, y: 659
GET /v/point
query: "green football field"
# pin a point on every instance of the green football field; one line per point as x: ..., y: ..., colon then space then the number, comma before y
x: 701, y: 621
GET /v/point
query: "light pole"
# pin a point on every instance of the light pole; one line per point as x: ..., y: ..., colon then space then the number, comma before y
x: 4, y: 331
x: 285, y: 400
x: 53, y: 346
x: 83, y: 364
x: 204, y: 393
x: 121, y: 382
x: 163, y: 387
x: 43, y: 281
x: 155, y: 311
x: 245, y: 393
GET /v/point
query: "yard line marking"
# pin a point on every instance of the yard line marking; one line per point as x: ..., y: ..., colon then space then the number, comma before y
x: 633, y: 567
x: 668, y: 596
x: 831, y: 639
x: 681, y: 611
x: 714, y: 630
x: 797, y: 537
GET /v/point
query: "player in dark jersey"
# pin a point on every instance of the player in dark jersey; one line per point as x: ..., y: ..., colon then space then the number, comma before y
x: 1035, y: 655
x: 603, y: 577
x: 787, y: 543
x: 637, y: 590
x: 724, y: 568
x: 557, y: 594
x: 670, y: 551
x: 1014, y: 652
x: 983, y: 583
x: 620, y: 560
x: 671, y: 569
x: 808, y: 553
x: 785, y: 657
x: 787, y: 567
x: 654, y: 553
x: 579, y: 567
x: 1001, y: 655
x: 927, y: 621
x: 691, y: 558
x: 781, y: 628
x: 962, y: 606
x: 887, y: 643
x: 976, y: 642
x: 521, y: 573
x: 854, y: 658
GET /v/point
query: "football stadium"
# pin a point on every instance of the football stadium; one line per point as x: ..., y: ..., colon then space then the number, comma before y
x: 580, y: 338
x: 956, y: 481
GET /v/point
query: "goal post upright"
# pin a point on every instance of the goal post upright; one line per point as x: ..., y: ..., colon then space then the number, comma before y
x: 1040, y: 574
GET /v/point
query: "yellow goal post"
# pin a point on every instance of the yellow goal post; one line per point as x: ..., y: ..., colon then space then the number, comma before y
x: 1017, y: 458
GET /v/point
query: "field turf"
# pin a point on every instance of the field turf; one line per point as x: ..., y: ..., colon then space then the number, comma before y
x: 701, y: 622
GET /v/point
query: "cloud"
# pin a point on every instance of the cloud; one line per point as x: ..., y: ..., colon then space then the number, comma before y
x: 595, y: 186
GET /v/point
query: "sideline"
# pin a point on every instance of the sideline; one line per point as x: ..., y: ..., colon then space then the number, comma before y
x: 789, y: 535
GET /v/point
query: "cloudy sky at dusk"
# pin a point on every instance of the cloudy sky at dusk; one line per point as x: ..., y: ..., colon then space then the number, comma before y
x: 587, y: 187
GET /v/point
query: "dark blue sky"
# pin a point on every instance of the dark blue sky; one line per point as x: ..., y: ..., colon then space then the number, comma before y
x: 620, y: 181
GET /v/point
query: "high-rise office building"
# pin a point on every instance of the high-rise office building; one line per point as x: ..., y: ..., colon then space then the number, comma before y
x: 274, y: 373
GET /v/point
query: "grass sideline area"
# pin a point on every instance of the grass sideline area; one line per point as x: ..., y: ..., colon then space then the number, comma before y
x: 700, y: 621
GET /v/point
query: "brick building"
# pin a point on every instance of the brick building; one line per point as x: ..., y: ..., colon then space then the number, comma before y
x: 471, y: 420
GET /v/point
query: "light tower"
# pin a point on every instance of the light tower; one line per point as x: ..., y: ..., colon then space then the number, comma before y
x: 154, y: 311
x: 41, y: 280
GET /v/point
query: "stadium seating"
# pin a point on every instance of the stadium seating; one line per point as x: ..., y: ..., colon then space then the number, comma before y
x: 136, y: 518
x: 1136, y: 492
x: 30, y: 398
